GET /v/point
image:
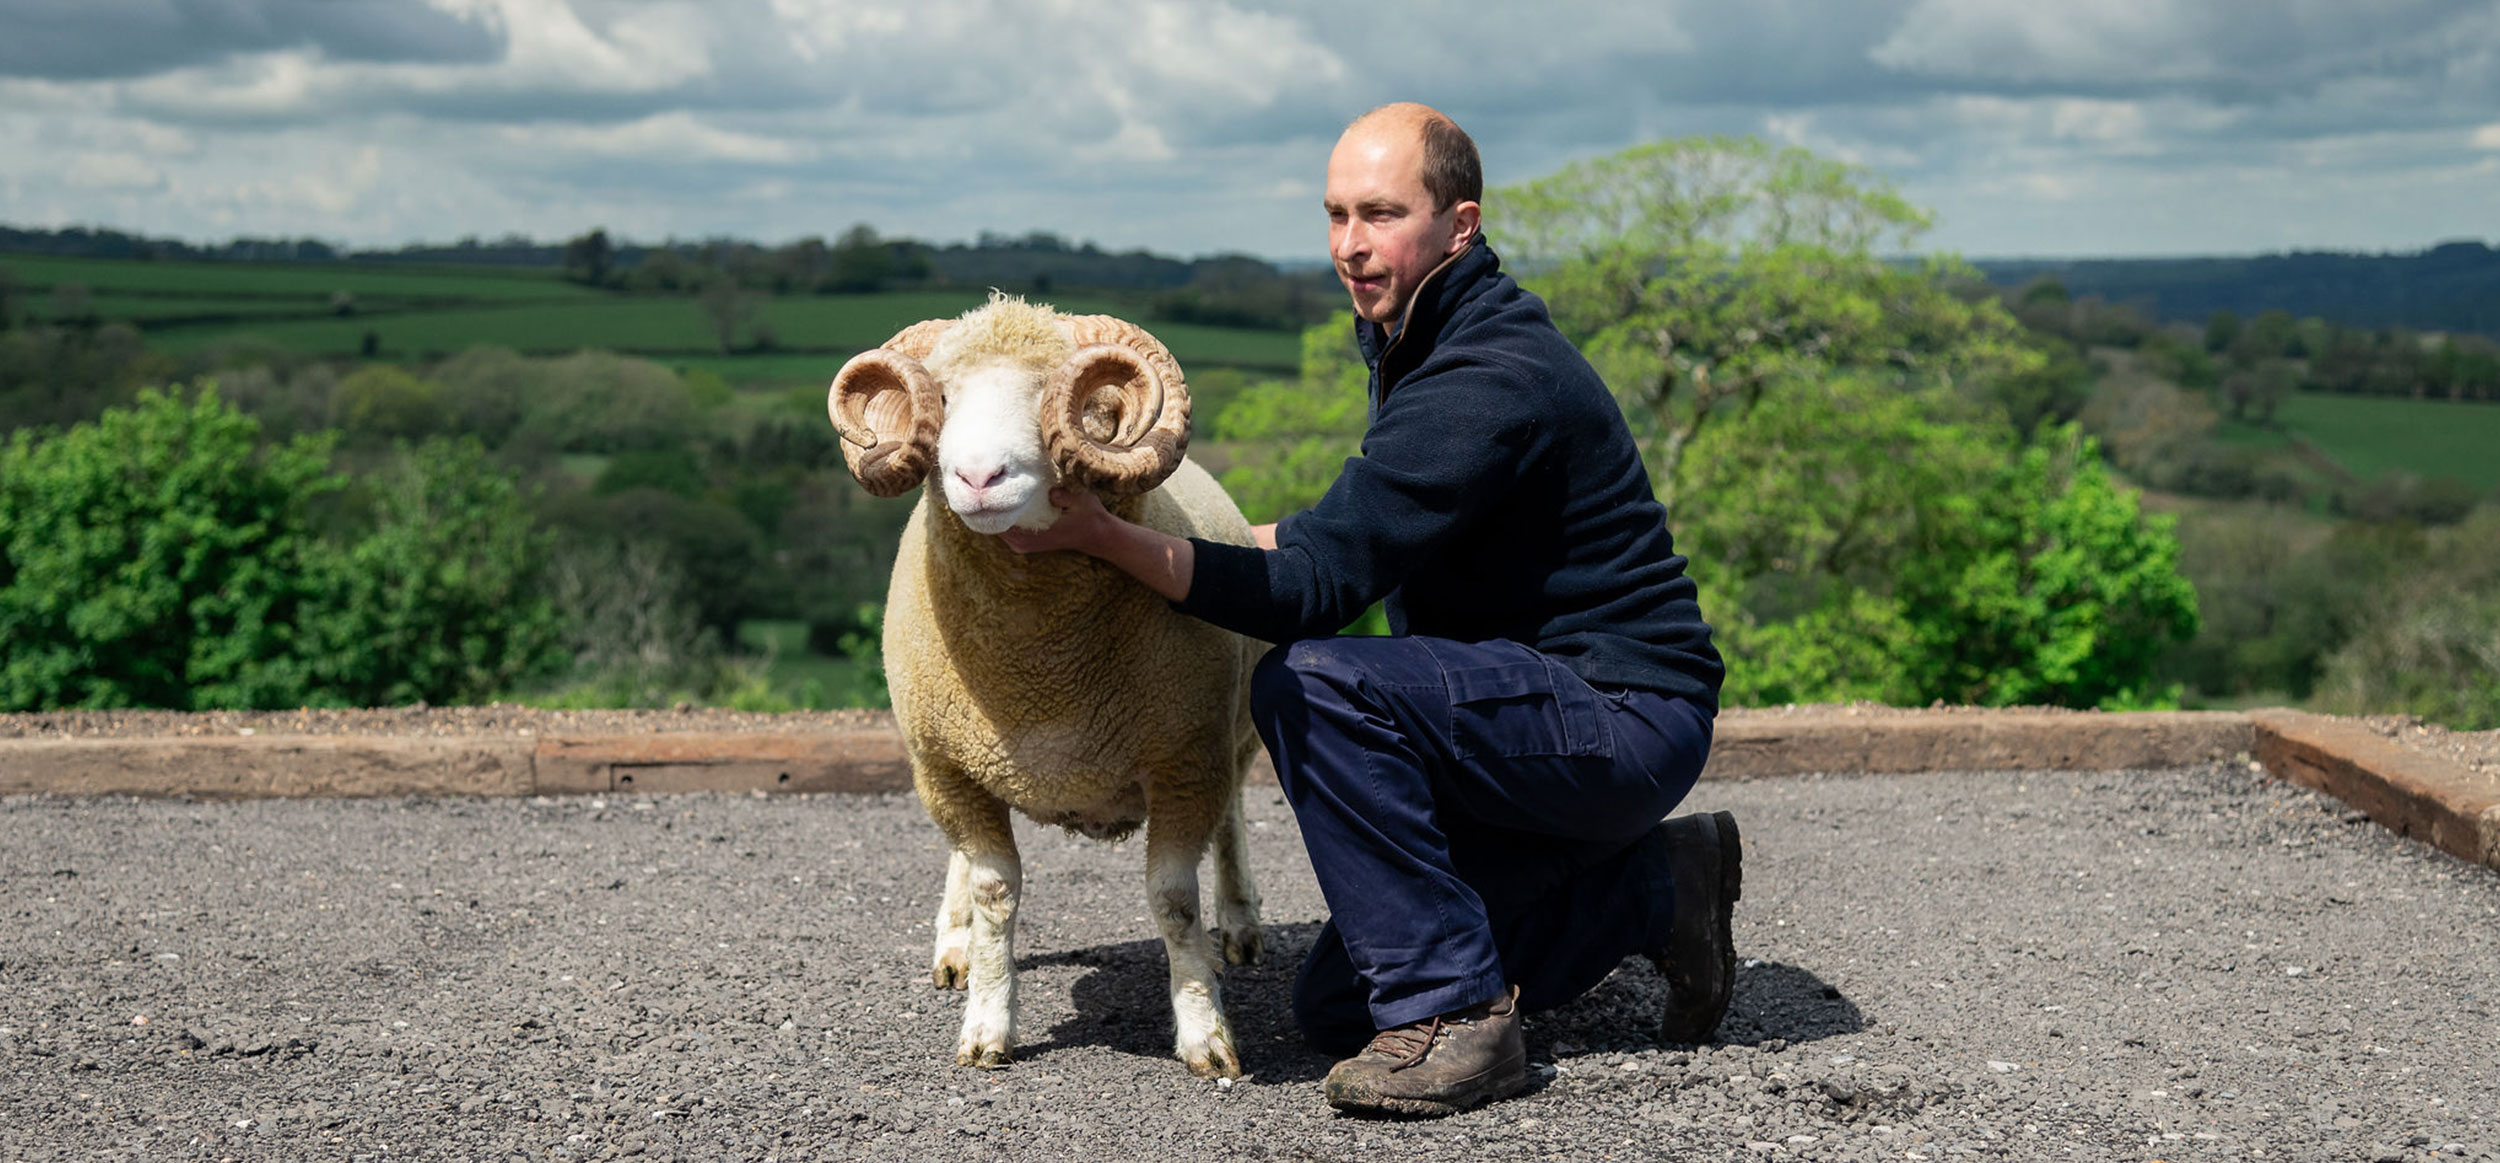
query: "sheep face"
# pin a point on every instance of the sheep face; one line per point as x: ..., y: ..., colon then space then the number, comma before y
x: 991, y: 462
x: 1007, y: 401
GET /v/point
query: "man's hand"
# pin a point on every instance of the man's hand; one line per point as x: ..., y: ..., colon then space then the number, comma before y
x: 1163, y: 562
x: 1081, y: 526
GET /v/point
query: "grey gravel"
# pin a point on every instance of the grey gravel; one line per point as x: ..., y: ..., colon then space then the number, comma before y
x: 1996, y: 965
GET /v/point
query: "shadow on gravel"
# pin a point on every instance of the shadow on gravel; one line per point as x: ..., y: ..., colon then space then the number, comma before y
x: 1788, y: 1003
x: 1773, y: 1003
x: 1121, y: 1005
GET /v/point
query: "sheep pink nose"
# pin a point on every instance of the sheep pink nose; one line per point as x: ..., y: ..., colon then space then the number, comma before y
x: 974, y: 477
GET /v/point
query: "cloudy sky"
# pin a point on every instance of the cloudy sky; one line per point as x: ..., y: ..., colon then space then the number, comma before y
x: 1195, y: 126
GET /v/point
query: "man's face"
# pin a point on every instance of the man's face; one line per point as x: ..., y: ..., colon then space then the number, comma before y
x: 1383, y: 234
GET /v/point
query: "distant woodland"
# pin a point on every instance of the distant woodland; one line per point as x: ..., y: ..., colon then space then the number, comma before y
x: 2451, y: 287
x: 598, y: 472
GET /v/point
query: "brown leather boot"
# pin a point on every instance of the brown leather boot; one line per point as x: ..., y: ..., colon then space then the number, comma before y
x: 1438, y: 1066
x: 1700, y: 958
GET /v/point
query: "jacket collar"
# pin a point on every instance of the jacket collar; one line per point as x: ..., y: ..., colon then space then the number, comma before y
x: 1436, y: 298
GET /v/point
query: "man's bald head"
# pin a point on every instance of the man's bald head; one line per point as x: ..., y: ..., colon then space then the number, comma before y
x: 1452, y: 170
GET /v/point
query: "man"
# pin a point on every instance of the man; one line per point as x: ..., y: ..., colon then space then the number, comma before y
x: 1482, y: 794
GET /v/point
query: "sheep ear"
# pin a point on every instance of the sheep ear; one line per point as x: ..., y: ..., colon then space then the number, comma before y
x: 888, y: 409
x: 1115, y: 416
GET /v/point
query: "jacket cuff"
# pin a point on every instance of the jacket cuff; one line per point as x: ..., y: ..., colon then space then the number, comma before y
x: 1224, y: 579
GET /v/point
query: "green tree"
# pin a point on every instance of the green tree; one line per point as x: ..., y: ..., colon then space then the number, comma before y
x: 73, y: 305
x: 161, y: 556
x: 715, y: 548
x: 1835, y: 433
x: 634, y: 638
x: 2428, y: 642
x: 671, y: 470
x: 860, y: 262
x: 63, y: 375
x: 590, y: 258
x: 597, y: 401
x: 157, y: 558
x: 2222, y: 331
x: 729, y: 308
x: 382, y: 402
x: 1864, y: 542
x: 1292, y: 437
x: 2271, y: 335
x: 483, y: 390
x: 1705, y: 275
x: 445, y: 599
x: 2061, y: 591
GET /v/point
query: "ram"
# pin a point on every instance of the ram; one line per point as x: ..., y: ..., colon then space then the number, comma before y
x: 1054, y: 684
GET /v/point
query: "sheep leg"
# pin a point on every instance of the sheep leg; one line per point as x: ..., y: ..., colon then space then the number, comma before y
x: 951, y: 966
x: 994, y: 881
x: 1236, y: 894
x: 976, y: 920
x: 1202, y: 1038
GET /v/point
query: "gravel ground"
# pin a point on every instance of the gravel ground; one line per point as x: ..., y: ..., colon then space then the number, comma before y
x: 2177, y: 964
x: 2477, y: 751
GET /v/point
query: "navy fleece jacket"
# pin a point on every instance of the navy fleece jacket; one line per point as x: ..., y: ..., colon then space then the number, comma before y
x: 1498, y: 495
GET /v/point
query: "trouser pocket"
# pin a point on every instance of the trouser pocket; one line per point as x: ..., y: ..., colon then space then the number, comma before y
x: 1509, y: 702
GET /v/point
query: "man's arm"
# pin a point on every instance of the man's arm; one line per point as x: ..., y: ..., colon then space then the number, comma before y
x: 1163, y: 562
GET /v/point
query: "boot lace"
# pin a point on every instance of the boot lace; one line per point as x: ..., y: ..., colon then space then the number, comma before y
x: 1409, y: 1045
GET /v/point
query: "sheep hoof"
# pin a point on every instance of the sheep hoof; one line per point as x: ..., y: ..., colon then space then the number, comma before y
x: 983, y: 1057
x: 953, y: 970
x: 1215, y: 1059
x: 1243, y: 946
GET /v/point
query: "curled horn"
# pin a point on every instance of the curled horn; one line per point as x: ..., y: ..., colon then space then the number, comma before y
x: 888, y: 409
x: 1115, y: 416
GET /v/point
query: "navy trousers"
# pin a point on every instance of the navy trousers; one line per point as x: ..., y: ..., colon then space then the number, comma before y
x: 1477, y: 817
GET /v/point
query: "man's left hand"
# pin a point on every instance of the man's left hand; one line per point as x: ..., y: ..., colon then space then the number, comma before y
x: 1081, y: 525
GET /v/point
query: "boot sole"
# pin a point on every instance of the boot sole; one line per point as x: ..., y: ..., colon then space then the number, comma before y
x: 1731, y: 890
x: 1492, y: 1088
x: 1700, y: 1027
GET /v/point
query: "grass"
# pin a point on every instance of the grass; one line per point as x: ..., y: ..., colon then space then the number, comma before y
x: 430, y: 313
x: 764, y: 372
x: 803, y: 677
x: 309, y: 281
x: 817, y: 331
x: 2374, y: 436
x: 154, y: 310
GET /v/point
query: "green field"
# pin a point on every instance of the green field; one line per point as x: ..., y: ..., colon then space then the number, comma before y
x: 307, y: 281
x: 429, y: 314
x: 2373, y: 436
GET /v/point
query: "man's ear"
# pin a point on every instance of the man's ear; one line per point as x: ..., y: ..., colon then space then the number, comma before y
x: 1465, y: 219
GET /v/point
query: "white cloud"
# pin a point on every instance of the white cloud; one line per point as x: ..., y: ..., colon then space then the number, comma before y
x: 2118, y: 123
x: 663, y: 138
x: 266, y: 86
x: 330, y: 191
x: 2101, y: 42
x: 113, y: 171
x: 1202, y: 125
x: 643, y: 48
